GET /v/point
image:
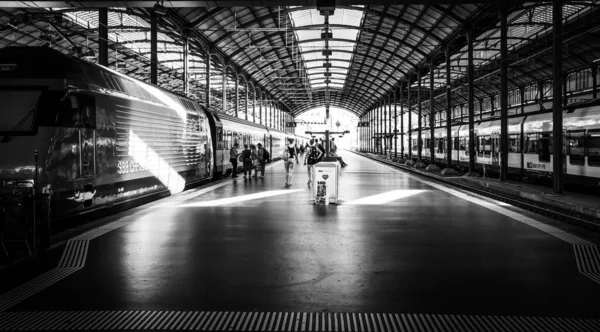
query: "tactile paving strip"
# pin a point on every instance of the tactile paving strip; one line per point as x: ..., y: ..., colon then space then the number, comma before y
x: 72, y: 260
x: 284, y: 321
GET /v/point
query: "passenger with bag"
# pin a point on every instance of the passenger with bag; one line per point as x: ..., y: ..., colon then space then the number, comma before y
x: 313, y: 156
x: 288, y: 161
x: 246, y: 157
x: 262, y: 157
x: 233, y: 158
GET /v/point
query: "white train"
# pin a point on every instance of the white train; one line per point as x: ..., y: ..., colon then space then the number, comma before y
x: 530, y: 145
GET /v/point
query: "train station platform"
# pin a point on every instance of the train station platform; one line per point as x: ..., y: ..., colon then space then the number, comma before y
x: 585, y: 206
x: 399, y: 253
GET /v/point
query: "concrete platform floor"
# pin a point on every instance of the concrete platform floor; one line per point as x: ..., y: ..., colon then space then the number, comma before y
x: 396, y: 244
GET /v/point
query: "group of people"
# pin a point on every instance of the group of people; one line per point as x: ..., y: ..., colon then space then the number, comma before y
x: 252, y: 157
x: 255, y: 157
x: 314, y: 154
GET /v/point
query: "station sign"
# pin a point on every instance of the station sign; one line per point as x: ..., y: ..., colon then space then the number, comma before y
x: 290, y: 124
x: 363, y: 124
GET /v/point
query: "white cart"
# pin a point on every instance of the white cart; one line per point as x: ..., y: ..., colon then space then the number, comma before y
x: 325, y: 177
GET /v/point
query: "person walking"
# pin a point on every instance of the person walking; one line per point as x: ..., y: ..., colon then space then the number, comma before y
x: 288, y: 161
x: 247, y: 160
x: 233, y: 158
x: 263, y: 156
x: 313, y: 155
x: 254, y: 157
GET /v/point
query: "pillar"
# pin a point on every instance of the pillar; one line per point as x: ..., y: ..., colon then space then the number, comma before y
x: 503, y: 94
x: 154, y: 48
x: 471, y: 92
x: 208, y: 83
x: 595, y: 81
x: 395, y: 136
x: 557, y: 116
x: 186, y: 69
x: 449, y: 142
x: 420, y: 116
x: 103, y: 36
x: 431, y: 114
x: 236, y: 106
x: 410, y: 156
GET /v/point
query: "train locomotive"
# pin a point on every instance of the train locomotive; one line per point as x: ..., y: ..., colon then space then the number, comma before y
x: 88, y: 137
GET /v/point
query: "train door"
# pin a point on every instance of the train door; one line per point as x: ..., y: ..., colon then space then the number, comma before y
x: 495, y: 149
x: 87, y: 165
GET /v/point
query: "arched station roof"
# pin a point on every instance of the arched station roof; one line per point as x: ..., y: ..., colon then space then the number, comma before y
x: 376, y: 49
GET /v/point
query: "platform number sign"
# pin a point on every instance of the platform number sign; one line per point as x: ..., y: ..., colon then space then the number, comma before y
x: 290, y: 124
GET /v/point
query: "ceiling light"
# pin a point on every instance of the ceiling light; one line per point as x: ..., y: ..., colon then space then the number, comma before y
x: 326, y: 7
x: 89, y: 54
x: 326, y: 64
x: 327, y: 74
x: 326, y: 34
x: 160, y: 9
x: 326, y: 52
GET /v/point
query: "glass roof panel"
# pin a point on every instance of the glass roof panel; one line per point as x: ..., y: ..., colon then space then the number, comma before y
x: 136, y: 40
x: 344, y: 39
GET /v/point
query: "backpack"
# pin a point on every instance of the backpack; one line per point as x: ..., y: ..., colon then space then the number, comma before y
x: 286, y: 155
x: 312, y: 156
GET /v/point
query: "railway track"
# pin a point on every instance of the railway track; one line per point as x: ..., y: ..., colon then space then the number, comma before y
x: 545, y: 210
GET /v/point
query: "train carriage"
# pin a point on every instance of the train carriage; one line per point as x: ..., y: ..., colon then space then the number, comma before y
x: 102, y: 137
x: 231, y: 130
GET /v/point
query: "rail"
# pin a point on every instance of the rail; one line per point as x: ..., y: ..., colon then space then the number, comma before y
x: 545, y: 210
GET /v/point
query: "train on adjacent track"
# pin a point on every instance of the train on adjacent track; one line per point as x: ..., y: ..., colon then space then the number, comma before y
x: 89, y: 137
x: 530, y: 145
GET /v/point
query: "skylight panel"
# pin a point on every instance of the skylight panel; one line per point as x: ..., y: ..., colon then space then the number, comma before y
x: 342, y: 45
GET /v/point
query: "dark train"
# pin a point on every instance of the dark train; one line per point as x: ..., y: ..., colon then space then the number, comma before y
x: 104, y: 138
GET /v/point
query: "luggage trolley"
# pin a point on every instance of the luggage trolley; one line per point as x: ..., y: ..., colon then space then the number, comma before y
x: 326, y: 173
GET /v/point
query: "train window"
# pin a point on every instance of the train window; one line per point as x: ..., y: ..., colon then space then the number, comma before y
x: 414, y: 145
x: 514, y: 143
x: 77, y: 111
x: 531, y: 143
x: 456, y: 143
x: 545, y: 147
x: 486, y: 146
x: 576, y: 147
x: 593, y: 145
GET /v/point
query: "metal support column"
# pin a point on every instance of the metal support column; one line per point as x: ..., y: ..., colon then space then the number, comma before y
x: 557, y: 116
x: 522, y: 93
x: 224, y: 87
x: 449, y: 140
x: 419, y: 116
x: 390, y: 136
x: 402, y: 133
x: 384, y: 131
x: 247, y: 100
x: 236, y: 106
x: 503, y: 94
x: 395, y: 136
x: 103, y: 36
x: 208, y: 85
x: 254, y: 106
x: 595, y: 81
x: 431, y: 114
x: 260, y: 109
x: 471, y: 92
x: 186, y: 68
x: 154, y: 48
x: 410, y: 156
